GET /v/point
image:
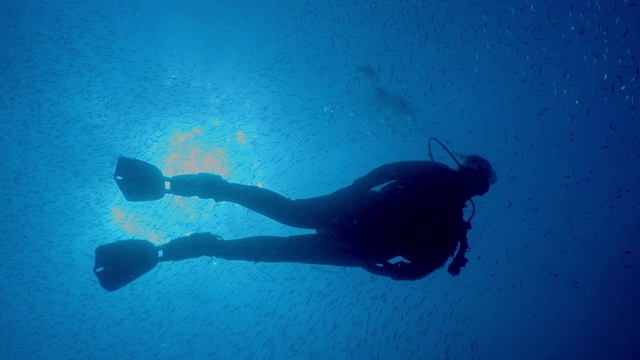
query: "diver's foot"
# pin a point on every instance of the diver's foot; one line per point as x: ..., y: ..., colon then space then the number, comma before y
x: 192, y: 246
x: 203, y: 185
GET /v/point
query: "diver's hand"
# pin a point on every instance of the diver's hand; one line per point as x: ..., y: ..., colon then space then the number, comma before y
x: 400, y: 270
x: 377, y: 268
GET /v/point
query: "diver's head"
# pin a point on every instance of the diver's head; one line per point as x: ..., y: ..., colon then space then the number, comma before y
x: 478, y: 174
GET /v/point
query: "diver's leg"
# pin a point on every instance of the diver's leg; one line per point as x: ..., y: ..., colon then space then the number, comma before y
x: 308, y: 249
x: 313, y: 213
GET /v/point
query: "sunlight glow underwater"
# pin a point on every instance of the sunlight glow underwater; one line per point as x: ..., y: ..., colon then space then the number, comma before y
x: 212, y: 148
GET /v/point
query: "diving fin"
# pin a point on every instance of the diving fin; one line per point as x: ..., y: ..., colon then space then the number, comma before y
x: 139, y: 180
x: 119, y: 263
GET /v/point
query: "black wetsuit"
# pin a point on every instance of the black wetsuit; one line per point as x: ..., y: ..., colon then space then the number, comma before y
x: 408, y: 209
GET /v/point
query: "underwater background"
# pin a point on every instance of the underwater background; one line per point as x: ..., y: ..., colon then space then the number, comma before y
x: 303, y: 97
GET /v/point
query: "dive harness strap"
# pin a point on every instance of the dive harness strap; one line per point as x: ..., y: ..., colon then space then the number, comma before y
x: 459, y: 261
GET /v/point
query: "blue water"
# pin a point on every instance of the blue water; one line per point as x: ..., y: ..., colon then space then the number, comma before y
x: 281, y: 94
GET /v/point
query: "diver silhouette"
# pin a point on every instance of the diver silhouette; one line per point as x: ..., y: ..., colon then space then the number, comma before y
x: 402, y: 220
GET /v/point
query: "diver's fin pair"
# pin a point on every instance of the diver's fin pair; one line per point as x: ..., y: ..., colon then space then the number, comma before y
x: 139, y: 180
x: 119, y: 263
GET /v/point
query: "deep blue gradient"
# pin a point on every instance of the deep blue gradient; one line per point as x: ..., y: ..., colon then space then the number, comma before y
x: 281, y: 94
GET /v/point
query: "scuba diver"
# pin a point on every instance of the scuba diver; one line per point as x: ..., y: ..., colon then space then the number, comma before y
x: 402, y: 220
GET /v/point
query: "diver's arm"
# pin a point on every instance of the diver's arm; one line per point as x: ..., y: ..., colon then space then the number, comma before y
x: 393, y: 171
x: 400, y: 270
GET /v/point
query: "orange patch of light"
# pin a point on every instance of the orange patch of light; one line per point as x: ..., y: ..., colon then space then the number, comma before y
x: 131, y: 225
x: 118, y: 215
x: 181, y: 138
x: 126, y: 221
x: 194, y: 156
x: 242, y: 140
